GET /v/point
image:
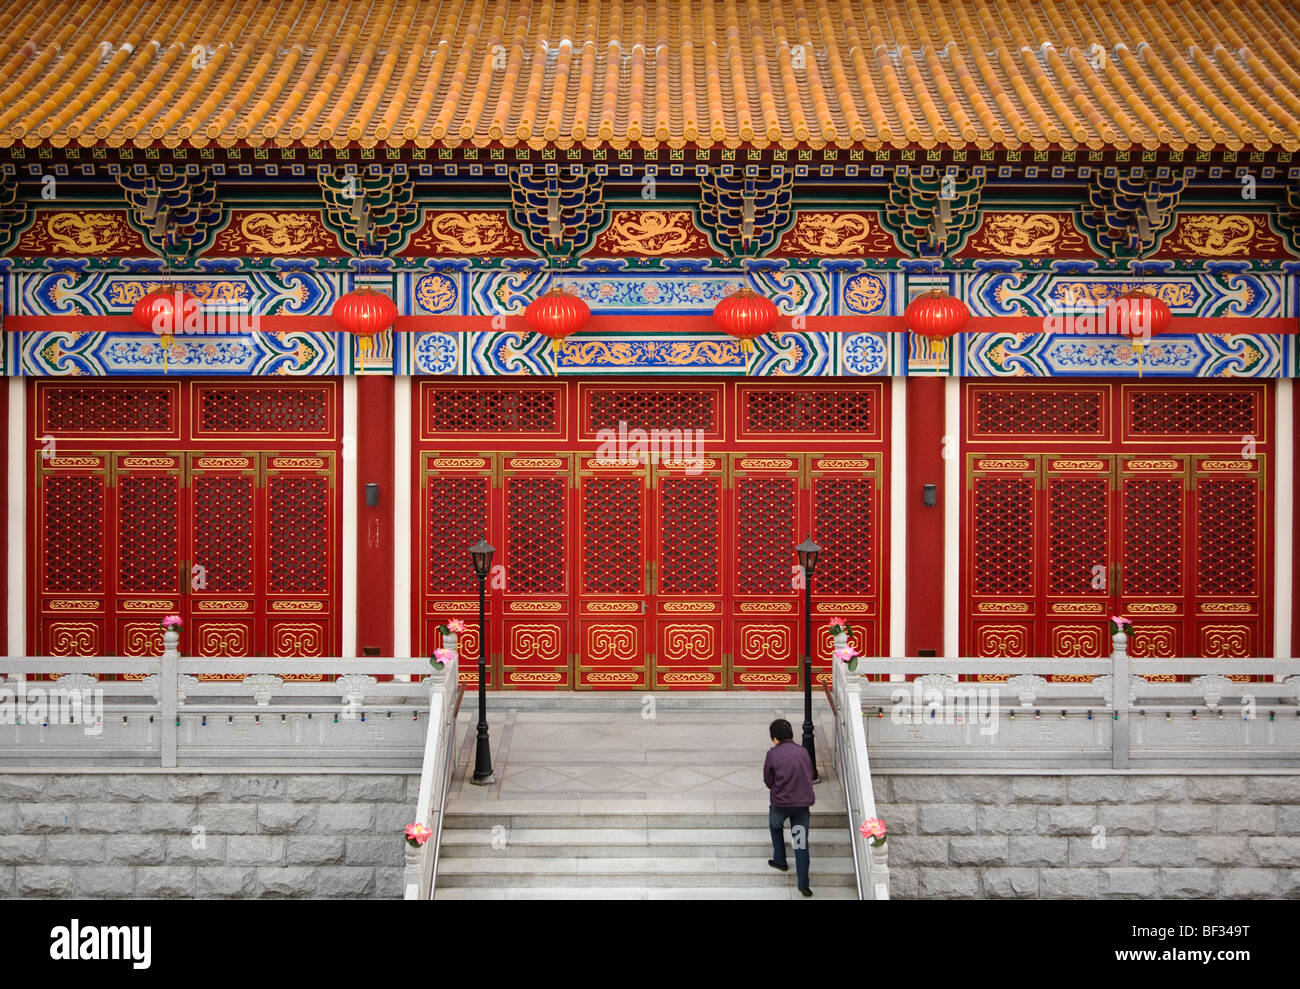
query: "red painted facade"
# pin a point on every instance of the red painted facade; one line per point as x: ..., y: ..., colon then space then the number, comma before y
x: 645, y: 530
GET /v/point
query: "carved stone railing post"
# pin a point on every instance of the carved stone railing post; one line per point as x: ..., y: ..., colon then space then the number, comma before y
x: 168, y: 673
x: 1119, y: 733
x: 880, y: 872
x: 411, y: 869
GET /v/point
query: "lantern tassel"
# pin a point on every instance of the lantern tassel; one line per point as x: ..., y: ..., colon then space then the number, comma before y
x: 746, y: 351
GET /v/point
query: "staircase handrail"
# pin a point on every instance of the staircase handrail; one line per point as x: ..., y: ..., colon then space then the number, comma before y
x: 420, y: 872
x: 870, y: 863
x: 844, y: 784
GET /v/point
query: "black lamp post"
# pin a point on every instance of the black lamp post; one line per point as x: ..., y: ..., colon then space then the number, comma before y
x: 481, y: 553
x: 808, y: 551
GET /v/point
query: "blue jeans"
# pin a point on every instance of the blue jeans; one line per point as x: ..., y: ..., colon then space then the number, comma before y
x: 799, y: 818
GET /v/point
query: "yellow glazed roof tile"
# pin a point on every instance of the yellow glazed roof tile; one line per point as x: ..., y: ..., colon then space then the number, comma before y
x: 873, y: 73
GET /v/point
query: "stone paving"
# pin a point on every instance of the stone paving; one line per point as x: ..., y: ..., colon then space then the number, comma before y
x: 697, y: 754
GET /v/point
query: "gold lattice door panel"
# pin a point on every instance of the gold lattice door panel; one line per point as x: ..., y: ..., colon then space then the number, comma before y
x: 688, y: 580
x: 537, y: 510
x: 454, y: 497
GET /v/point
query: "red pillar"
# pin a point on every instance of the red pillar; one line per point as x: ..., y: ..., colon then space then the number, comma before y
x: 9, y: 521
x: 374, y: 447
x: 924, y: 540
x: 1294, y: 481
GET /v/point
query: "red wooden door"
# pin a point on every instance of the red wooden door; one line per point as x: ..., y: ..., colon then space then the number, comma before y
x: 645, y: 531
x: 688, y: 570
x: 1152, y: 575
x: 614, y: 574
x: 767, y: 599
x: 456, y: 491
x: 535, y: 582
x: 1233, y: 564
x: 1077, y: 544
x: 149, y: 503
x: 244, y: 546
x: 220, y: 569
x: 1157, y: 512
x: 1002, y: 581
x: 845, y: 508
x: 71, y: 561
x: 299, y: 571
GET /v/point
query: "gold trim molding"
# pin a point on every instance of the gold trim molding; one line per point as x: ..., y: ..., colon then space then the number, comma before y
x: 766, y: 678
x: 1078, y: 608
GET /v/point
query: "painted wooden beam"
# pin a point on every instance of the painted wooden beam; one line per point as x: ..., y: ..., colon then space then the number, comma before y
x: 659, y: 324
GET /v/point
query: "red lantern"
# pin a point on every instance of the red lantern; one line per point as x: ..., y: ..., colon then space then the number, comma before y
x: 164, y: 312
x: 363, y: 312
x: 745, y: 315
x: 936, y: 315
x: 1139, y: 315
x: 557, y: 314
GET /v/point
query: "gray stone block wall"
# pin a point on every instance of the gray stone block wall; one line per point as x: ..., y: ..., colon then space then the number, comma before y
x: 204, y: 834
x: 339, y: 835
x: 1122, y: 836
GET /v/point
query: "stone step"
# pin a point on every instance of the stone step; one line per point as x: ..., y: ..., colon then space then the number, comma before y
x: 515, y: 813
x: 642, y: 893
x: 701, y: 870
x: 826, y: 823
x: 627, y: 842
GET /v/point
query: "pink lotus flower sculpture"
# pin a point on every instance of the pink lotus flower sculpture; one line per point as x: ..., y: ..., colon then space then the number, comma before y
x: 873, y: 828
x: 452, y: 625
x: 838, y: 626
x: 849, y: 655
x: 417, y: 834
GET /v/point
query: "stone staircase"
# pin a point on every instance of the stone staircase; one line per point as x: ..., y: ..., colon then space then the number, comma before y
x: 595, y: 801
x: 657, y: 850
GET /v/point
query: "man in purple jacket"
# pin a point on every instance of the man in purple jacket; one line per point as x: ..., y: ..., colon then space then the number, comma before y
x: 788, y: 773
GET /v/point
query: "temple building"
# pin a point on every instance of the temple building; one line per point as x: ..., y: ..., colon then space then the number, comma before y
x: 849, y: 270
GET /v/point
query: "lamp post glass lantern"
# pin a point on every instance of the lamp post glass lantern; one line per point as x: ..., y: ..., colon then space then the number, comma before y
x: 481, y: 554
x: 808, y: 552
